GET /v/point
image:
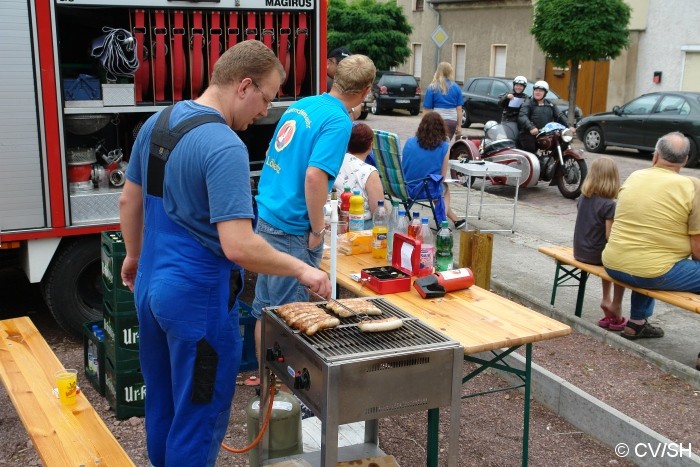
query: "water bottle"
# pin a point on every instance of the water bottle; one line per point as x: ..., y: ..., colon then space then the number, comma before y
x: 443, y: 250
x: 427, y: 249
x: 415, y: 226
x: 379, y: 231
x: 101, y: 338
x: 401, y: 223
x: 393, y: 219
x: 357, y: 211
x: 344, y: 216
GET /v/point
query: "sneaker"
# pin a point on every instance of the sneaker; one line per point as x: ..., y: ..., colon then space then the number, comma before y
x: 604, y: 322
x: 460, y: 224
x: 305, y: 411
x: 617, y: 325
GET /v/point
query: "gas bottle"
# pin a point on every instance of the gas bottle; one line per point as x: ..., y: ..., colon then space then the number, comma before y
x: 285, y: 426
x: 357, y: 211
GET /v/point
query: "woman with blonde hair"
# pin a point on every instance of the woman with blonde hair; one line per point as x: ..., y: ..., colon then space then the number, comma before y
x: 596, y: 210
x: 444, y: 96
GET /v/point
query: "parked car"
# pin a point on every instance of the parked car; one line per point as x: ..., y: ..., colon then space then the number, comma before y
x: 395, y: 90
x: 642, y: 121
x: 481, y: 95
x: 367, y: 104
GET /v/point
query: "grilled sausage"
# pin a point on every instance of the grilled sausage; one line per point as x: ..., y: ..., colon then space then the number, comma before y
x: 380, y: 325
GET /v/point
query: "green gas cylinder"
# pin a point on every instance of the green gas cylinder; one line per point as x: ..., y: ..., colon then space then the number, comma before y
x: 284, y: 428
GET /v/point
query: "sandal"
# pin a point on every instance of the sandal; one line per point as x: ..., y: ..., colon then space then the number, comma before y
x: 618, y: 325
x: 642, y: 330
x: 604, y: 322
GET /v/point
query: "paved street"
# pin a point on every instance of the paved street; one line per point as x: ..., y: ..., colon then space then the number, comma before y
x: 545, y: 217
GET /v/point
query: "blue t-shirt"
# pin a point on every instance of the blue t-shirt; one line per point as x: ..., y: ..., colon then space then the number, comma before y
x: 434, y: 99
x: 207, y: 177
x: 313, y: 132
x: 417, y: 162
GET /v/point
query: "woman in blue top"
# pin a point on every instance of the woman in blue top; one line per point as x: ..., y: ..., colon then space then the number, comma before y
x: 445, y: 97
x: 427, y: 154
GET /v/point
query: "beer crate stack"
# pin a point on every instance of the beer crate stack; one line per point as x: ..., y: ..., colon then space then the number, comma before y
x: 124, y: 386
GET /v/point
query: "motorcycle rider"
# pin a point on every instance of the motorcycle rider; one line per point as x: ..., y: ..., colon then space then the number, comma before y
x: 535, y: 113
x: 511, y: 103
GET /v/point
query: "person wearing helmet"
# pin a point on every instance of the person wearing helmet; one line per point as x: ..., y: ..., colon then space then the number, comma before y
x: 511, y: 102
x: 535, y: 113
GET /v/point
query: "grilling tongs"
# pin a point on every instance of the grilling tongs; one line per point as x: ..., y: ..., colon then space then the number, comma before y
x: 360, y: 316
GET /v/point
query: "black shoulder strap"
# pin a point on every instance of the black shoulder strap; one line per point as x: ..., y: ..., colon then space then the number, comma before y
x: 164, y: 140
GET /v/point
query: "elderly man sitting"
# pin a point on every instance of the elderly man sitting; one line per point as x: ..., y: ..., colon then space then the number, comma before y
x: 655, y: 238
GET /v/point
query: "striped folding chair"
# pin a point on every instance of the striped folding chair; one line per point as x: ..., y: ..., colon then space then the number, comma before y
x: 387, y: 155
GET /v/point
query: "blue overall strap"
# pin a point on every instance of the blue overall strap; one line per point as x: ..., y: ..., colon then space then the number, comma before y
x: 164, y: 140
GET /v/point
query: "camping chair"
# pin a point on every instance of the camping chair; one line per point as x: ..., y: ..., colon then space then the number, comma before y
x: 388, y: 158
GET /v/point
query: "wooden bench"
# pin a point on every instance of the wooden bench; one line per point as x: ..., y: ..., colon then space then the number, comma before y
x: 62, y: 435
x: 569, y: 269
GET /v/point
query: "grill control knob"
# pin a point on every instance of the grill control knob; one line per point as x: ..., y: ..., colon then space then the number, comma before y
x: 275, y: 353
x: 302, y: 379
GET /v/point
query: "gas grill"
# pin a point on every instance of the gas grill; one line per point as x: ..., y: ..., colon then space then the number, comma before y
x: 345, y: 375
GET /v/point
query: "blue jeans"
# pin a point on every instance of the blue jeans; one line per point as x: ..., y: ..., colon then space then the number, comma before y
x: 278, y: 290
x: 684, y: 276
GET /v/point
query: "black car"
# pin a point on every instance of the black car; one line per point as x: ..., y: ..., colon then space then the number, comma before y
x: 642, y: 121
x: 395, y: 90
x: 481, y: 99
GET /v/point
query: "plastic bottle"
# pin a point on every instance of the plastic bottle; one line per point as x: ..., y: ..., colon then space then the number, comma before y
x: 415, y: 225
x: 427, y: 249
x: 401, y: 223
x: 91, y: 353
x: 101, y: 338
x: 344, y: 216
x: 357, y: 211
x: 393, y: 219
x: 380, y: 231
x: 443, y: 249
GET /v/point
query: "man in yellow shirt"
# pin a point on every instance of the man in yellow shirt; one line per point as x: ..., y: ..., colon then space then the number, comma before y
x: 655, y: 238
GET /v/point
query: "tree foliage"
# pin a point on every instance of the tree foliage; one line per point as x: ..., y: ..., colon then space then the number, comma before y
x: 378, y: 30
x: 571, y: 31
x: 589, y: 30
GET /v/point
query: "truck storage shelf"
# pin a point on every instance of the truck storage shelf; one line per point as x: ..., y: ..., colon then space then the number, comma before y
x: 113, y: 110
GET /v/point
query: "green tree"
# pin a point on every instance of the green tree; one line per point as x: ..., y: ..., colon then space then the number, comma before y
x: 572, y: 31
x: 378, y: 30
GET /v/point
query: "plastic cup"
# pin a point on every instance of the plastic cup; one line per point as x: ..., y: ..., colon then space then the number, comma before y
x: 67, y: 385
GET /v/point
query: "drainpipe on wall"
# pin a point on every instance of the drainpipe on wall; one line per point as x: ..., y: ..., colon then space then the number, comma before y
x: 437, y: 49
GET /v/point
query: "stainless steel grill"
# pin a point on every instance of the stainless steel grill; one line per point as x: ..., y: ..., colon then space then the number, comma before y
x: 345, y: 375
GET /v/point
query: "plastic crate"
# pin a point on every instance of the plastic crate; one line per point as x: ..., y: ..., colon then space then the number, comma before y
x: 119, y: 299
x: 97, y: 380
x: 249, y: 361
x: 121, y: 338
x: 125, y: 391
x: 113, y: 254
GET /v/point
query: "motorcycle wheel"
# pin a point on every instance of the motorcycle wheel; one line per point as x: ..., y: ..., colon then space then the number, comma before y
x: 571, y: 177
x: 461, y: 154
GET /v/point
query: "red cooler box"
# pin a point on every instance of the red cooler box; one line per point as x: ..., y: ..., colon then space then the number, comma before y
x: 405, y: 260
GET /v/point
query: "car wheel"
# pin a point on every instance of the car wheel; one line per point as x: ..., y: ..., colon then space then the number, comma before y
x: 374, y: 109
x: 414, y: 111
x: 465, y: 119
x: 593, y: 139
x: 362, y: 116
x: 692, y: 154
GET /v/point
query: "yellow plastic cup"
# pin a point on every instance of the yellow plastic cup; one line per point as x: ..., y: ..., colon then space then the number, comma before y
x: 67, y: 385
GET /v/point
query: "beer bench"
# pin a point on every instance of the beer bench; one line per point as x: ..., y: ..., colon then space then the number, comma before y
x: 569, y: 269
x: 62, y: 435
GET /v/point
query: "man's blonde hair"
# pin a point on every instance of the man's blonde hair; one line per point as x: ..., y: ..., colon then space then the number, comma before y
x: 354, y: 74
x: 603, y: 179
x: 247, y: 59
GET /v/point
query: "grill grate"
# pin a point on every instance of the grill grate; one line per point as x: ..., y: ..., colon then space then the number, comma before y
x: 349, y: 341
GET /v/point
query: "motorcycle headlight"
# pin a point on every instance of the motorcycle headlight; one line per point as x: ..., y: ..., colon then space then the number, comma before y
x: 567, y: 135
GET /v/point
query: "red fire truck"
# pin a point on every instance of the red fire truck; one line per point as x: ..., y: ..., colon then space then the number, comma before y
x: 70, y: 114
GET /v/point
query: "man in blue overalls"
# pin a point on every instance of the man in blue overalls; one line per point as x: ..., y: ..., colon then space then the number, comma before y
x: 187, y: 220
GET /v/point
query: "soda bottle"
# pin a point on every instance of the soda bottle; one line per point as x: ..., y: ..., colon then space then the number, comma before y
x: 443, y: 249
x: 427, y: 249
x: 356, y: 219
x: 415, y: 225
x: 344, y: 215
x: 393, y: 219
x: 379, y: 231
